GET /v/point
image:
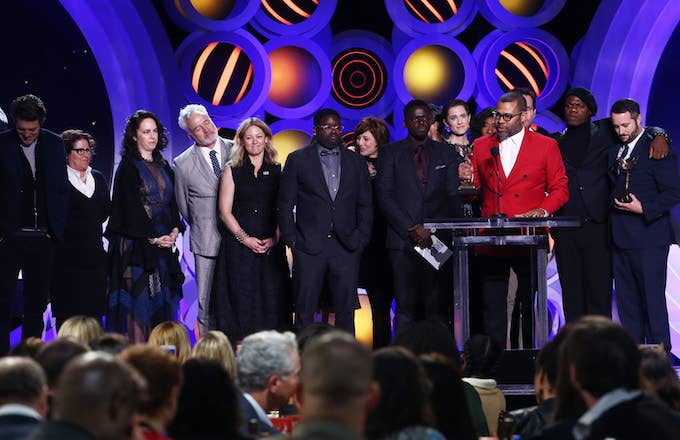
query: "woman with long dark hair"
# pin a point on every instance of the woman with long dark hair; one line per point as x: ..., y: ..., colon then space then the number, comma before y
x: 145, y: 276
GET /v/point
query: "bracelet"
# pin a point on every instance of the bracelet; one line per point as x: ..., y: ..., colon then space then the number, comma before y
x: 241, y: 236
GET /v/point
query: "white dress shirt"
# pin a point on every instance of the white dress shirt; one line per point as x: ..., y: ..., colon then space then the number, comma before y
x: 631, y: 145
x: 509, y: 150
x: 205, y: 152
x: 87, y: 187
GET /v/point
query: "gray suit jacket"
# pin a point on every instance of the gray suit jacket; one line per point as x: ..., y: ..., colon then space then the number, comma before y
x: 196, y: 188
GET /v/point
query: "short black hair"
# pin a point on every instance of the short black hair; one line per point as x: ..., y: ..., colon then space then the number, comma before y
x: 28, y: 108
x: 411, y: 105
x: 322, y: 113
x: 526, y: 91
x: 514, y: 97
x: 626, y: 105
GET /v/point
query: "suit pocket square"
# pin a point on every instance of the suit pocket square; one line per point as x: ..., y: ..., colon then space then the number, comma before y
x: 439, y: 167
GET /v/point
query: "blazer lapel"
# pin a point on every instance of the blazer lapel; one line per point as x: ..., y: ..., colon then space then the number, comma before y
x: 317, y: 169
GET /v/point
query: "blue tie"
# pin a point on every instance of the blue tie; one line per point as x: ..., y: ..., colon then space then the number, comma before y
x: 215, y: 163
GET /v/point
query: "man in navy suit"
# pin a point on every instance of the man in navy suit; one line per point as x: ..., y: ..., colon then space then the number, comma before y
x: 33, y: 201
x: 417, y: 180
x: 325, y: 216
x: 642, y: 231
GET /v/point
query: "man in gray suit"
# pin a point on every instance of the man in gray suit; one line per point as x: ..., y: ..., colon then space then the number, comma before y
x: 197, y: 175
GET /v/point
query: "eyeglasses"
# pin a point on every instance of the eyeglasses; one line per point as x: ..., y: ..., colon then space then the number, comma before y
x: 332, y: 127
x: 82, y: 151
x: 507, y: 117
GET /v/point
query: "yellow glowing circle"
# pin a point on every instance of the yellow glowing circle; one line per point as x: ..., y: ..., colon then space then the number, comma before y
x: 287, y: 141
x: 522, y: 8
x: 425, y: 71
x: 214, y: 9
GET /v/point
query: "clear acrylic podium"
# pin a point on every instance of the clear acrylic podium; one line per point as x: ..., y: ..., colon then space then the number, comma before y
x: 501, y: 232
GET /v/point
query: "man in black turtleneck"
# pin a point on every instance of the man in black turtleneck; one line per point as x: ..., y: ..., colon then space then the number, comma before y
x: 584, y: 254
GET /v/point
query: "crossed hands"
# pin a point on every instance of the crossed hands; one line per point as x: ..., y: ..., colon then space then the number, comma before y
x: 259, y: 246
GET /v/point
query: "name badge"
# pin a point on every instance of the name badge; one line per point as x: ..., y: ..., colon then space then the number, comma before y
x: 439, y: 167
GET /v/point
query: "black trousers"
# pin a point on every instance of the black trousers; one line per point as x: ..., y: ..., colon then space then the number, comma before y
x: 421, y: 292
x: 34, y: 256
x: 584, y: 263
x: 335, y: 267
x: 495, y: 274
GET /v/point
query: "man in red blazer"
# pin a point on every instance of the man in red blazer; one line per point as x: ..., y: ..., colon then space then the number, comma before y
x: 520, y: 173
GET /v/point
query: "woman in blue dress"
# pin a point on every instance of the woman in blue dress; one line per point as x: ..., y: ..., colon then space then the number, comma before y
x: 145, y: 283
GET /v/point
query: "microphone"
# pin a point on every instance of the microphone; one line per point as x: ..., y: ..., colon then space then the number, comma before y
x: 495, y: 152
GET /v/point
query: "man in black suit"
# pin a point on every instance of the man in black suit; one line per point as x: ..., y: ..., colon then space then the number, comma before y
x: 33, y: 201
x: 417, y: 180
x: 603, y: 364
x: 325, y: 216
x: 23, y: 396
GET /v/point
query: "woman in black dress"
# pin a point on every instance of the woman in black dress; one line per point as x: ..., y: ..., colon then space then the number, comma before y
x: 250, y: 288
x: 79, y: 281
x: 145, y: 283
x: 375, y: 273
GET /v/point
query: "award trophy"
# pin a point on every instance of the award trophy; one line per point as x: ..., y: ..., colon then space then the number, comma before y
x: 466, y: 187
x: 626, y: 166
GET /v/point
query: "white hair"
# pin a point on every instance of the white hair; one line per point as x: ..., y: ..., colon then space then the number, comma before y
x: 187, y: 111
x: 262, y: 355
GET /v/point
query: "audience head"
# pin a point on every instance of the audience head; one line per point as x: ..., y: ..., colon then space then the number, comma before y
x: 268, y: 364
x: 252, y: 137
x: 28, y: 113
x: 658, y: 377
x: 171, y: 334
x: 208, y: 403
x: 311, y: 332
x: 143, y: 130
x: 83, y: 329
x: 54, y: 356
x: 371, y: 134
x: 28, y: 347
x: 483, y: 123
x: 214, y: 345
x: 428, y: 337
x: 194, y: 119
x: 449, y: 406
x: 163, y: 375
x: 600, y: 357
x: 579, y: 106
x: 481, y: 354
x: 404, y: 393
x: 23, y: 382
x: 336, y: 380
x: 112, y: 343
x: 100, y: 394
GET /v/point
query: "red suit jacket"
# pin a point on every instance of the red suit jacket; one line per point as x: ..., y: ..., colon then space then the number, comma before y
x: 537, y: 180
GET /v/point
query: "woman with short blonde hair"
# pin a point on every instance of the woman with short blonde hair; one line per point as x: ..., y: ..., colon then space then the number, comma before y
x: 83, y: 329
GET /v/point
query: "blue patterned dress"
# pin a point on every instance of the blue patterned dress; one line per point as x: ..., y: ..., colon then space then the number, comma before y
x: 145, y: 283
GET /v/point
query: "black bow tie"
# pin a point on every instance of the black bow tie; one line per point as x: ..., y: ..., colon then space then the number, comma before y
x: 329, y: 152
